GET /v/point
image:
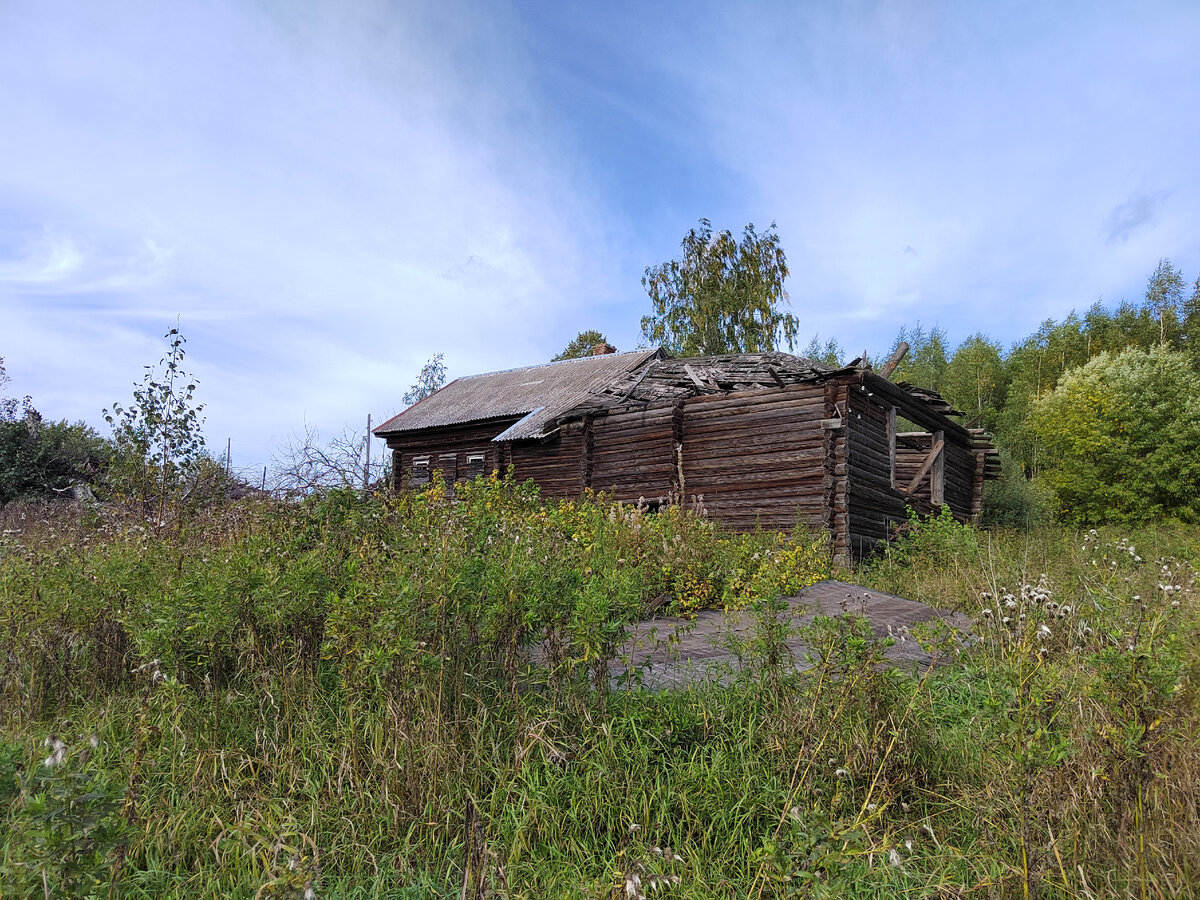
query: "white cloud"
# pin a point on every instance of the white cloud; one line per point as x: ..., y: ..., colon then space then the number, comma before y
x: 325, y: 195
x: 328, y: 193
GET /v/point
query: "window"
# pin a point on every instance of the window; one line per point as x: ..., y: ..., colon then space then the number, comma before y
x: 418, y: 472
x: 475, y: 464
x: 448, y: 464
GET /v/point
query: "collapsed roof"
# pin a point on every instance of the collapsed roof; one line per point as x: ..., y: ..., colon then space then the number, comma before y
x: 541, y: 396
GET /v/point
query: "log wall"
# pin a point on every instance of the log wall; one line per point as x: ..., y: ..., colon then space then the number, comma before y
x: 756, y: 457
x: 633, y: 453
x: 556, y: 463
x: 875, y: 503
x: 458, y: 441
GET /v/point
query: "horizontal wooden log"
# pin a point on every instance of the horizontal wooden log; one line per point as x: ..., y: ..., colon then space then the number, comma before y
x: 763, y: 444
x: 781, y: 460
x: 760, y: 492
x: 799, y: 410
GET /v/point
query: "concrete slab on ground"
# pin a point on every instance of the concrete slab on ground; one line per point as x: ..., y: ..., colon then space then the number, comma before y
x: 673, y: 652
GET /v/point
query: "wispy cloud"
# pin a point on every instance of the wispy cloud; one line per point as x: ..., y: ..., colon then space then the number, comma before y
x: 1139, y: 212
x: 328, y: 193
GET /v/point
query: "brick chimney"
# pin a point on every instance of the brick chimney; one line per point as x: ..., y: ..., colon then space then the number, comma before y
x: 603, y: 349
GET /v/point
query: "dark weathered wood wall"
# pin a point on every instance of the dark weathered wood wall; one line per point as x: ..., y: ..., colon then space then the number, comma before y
x: 633, y: 453
x: 756, y: 457
x: 555, y: 463
x: 460, y: 440
x: 875, y: 503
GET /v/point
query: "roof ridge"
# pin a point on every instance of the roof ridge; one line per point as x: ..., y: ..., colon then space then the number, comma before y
x: 554, y: 362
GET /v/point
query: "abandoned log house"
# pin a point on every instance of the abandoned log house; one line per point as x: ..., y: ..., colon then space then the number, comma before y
x: 757, y: 439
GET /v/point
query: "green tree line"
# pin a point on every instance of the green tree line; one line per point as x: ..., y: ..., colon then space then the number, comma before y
x: 1097, y: 414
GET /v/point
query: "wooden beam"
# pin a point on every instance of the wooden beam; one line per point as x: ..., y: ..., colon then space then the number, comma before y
x: 890, y: 366
x: 691, y: 373
x: 913, y: 409
x: 927, y: 464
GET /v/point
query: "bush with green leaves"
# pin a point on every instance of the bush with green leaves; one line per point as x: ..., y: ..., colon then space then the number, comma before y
x: 1014, y: 501
x: 1120, y: 436
x: 43, y: 460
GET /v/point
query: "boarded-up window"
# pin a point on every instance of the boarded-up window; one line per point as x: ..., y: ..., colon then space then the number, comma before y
x: 475, y: 464
x: 418, y: 472
x: 448, y: 464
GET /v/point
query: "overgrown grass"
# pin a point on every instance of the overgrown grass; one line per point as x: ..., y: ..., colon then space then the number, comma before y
x: 321, y: 698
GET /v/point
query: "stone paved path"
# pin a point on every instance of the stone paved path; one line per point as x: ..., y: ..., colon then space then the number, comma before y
x: 673, y: 652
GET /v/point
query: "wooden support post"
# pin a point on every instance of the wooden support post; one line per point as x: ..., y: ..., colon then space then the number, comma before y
x: 937, y: 475
x: 891, y: 439
x: 587, y: 453
x: 934, y: 455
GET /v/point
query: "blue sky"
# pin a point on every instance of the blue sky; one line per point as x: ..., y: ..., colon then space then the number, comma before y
x: 326, y: 194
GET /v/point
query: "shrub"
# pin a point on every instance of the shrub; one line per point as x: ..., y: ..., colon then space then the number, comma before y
x: 1015, y: 501
x: 1120, y: 435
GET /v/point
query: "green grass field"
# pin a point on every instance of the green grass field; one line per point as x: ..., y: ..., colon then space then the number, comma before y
x: 336, y: 699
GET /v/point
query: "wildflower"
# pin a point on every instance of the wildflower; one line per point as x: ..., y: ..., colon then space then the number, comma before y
x: 1044, y: 631
x: 58, y: 752
x: 634, y: 827
x: 633, y: 885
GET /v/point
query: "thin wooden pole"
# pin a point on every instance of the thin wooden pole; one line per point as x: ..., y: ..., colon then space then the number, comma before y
x: 228, y: 455
x: 367, y: 465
